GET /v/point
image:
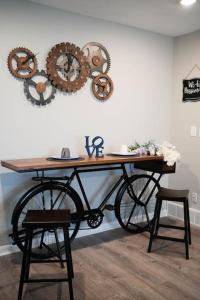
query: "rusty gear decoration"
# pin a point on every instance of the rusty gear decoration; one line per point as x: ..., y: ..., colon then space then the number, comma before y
x: 39, y: 89
x: 102, y: 87
x: 67, y: 67
x: 22, y: 63
x: 97, y: 58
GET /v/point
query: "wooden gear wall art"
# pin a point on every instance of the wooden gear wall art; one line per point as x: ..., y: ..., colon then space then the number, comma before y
x: 67, y: 69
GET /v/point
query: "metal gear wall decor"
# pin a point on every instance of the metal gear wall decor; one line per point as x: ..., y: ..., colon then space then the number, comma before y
x: 67, y: 67
x: 102, y: 87
x: 38, y: 89
x: 22, y: 63
x: 97, y: 57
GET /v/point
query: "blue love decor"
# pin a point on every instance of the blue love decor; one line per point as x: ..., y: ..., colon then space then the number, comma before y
x: 96, y: 145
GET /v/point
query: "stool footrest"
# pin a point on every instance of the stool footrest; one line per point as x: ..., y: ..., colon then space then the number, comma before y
x: 46, y: 280
x: 162, y: 237
x: 171, y: 226
x: 36, y: 261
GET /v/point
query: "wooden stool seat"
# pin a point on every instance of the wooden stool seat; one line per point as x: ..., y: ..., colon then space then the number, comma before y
x: 172, y: 195
x: 46, y: 220
x: 177, y: 196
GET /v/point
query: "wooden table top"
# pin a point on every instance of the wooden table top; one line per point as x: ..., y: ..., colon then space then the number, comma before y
x: 37, y: 164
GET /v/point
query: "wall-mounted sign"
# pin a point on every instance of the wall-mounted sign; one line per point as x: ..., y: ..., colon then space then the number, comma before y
x: 191, y: 89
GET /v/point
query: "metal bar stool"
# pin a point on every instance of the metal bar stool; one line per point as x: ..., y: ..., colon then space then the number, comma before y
x: 176, y: 196
x: 46, y: 220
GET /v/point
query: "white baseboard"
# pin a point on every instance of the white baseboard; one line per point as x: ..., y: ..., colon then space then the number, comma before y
x: 178, y: 213
x: 104, y: 227
x: 9, y: 249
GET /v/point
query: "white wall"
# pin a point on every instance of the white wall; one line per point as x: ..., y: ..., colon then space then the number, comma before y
x: 140, y: 107
x: 186, y: 56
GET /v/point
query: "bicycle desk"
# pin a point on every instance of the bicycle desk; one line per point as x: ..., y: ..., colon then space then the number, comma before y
x: 132, y: 206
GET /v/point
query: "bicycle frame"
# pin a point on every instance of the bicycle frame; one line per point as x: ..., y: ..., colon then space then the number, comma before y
x: 76, y: 173
x: 103, y: 205
x: 134, y: 192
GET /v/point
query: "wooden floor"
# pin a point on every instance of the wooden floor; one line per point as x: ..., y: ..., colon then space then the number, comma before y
x: 115, y: 265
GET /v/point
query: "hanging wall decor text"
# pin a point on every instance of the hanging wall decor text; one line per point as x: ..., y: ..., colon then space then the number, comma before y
x: 191, y: 90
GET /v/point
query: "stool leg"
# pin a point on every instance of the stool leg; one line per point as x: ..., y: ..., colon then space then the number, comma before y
x: 30, y: 237
x: 42, y: 239
x: 186, y: 229
x: 23, y: 268
x: 70, y: 254
x: 189, y: 230
x: 158, y: 217
x: 68, y: 261
x: 58, y: 249
x: 147, y: 216
x: 153, y: 226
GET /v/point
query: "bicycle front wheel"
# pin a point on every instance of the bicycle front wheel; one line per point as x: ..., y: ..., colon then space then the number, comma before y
x: 135, y: 203
x: 47, y: 196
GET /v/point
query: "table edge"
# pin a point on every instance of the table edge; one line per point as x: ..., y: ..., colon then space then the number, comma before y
x: 79, y: 164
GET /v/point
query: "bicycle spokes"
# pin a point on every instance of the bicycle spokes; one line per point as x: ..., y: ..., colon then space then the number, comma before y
x: 135, y: 203
x: 54, y: 196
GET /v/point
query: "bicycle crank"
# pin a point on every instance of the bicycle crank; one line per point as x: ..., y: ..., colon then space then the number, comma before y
x: 94, y: 219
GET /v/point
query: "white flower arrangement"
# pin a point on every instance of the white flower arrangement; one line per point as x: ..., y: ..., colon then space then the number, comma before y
x: 169, y: 152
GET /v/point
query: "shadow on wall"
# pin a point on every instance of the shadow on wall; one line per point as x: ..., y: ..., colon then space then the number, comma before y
x: 13, y: 187
x: 97, y: 185
x: 184, y: 178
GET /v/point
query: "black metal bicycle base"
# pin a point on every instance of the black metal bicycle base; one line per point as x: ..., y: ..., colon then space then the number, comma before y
x: 129, y: 206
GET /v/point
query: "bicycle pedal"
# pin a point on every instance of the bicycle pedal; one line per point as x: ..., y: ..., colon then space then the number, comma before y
x: 109, y: 207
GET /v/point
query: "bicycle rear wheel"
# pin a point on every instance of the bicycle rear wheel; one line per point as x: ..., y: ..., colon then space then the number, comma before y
x: 135, y: 203
x: 47, y: 196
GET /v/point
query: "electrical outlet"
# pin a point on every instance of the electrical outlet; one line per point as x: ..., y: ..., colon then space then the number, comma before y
x: 194, y: 197
x: 193, y: 130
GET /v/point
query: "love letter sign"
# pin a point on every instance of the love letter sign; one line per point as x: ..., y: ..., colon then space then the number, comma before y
x: 95, y: 146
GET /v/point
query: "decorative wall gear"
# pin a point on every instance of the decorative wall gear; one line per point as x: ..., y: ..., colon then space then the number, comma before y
x: 22, y: 63
x: 102, y: 87
x: 67, y: 67
x: 97, y: 58
x: 39, y: 89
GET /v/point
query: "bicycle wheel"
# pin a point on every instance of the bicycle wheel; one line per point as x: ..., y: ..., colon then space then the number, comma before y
x: 51, y: 195
x: 135, y: 203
